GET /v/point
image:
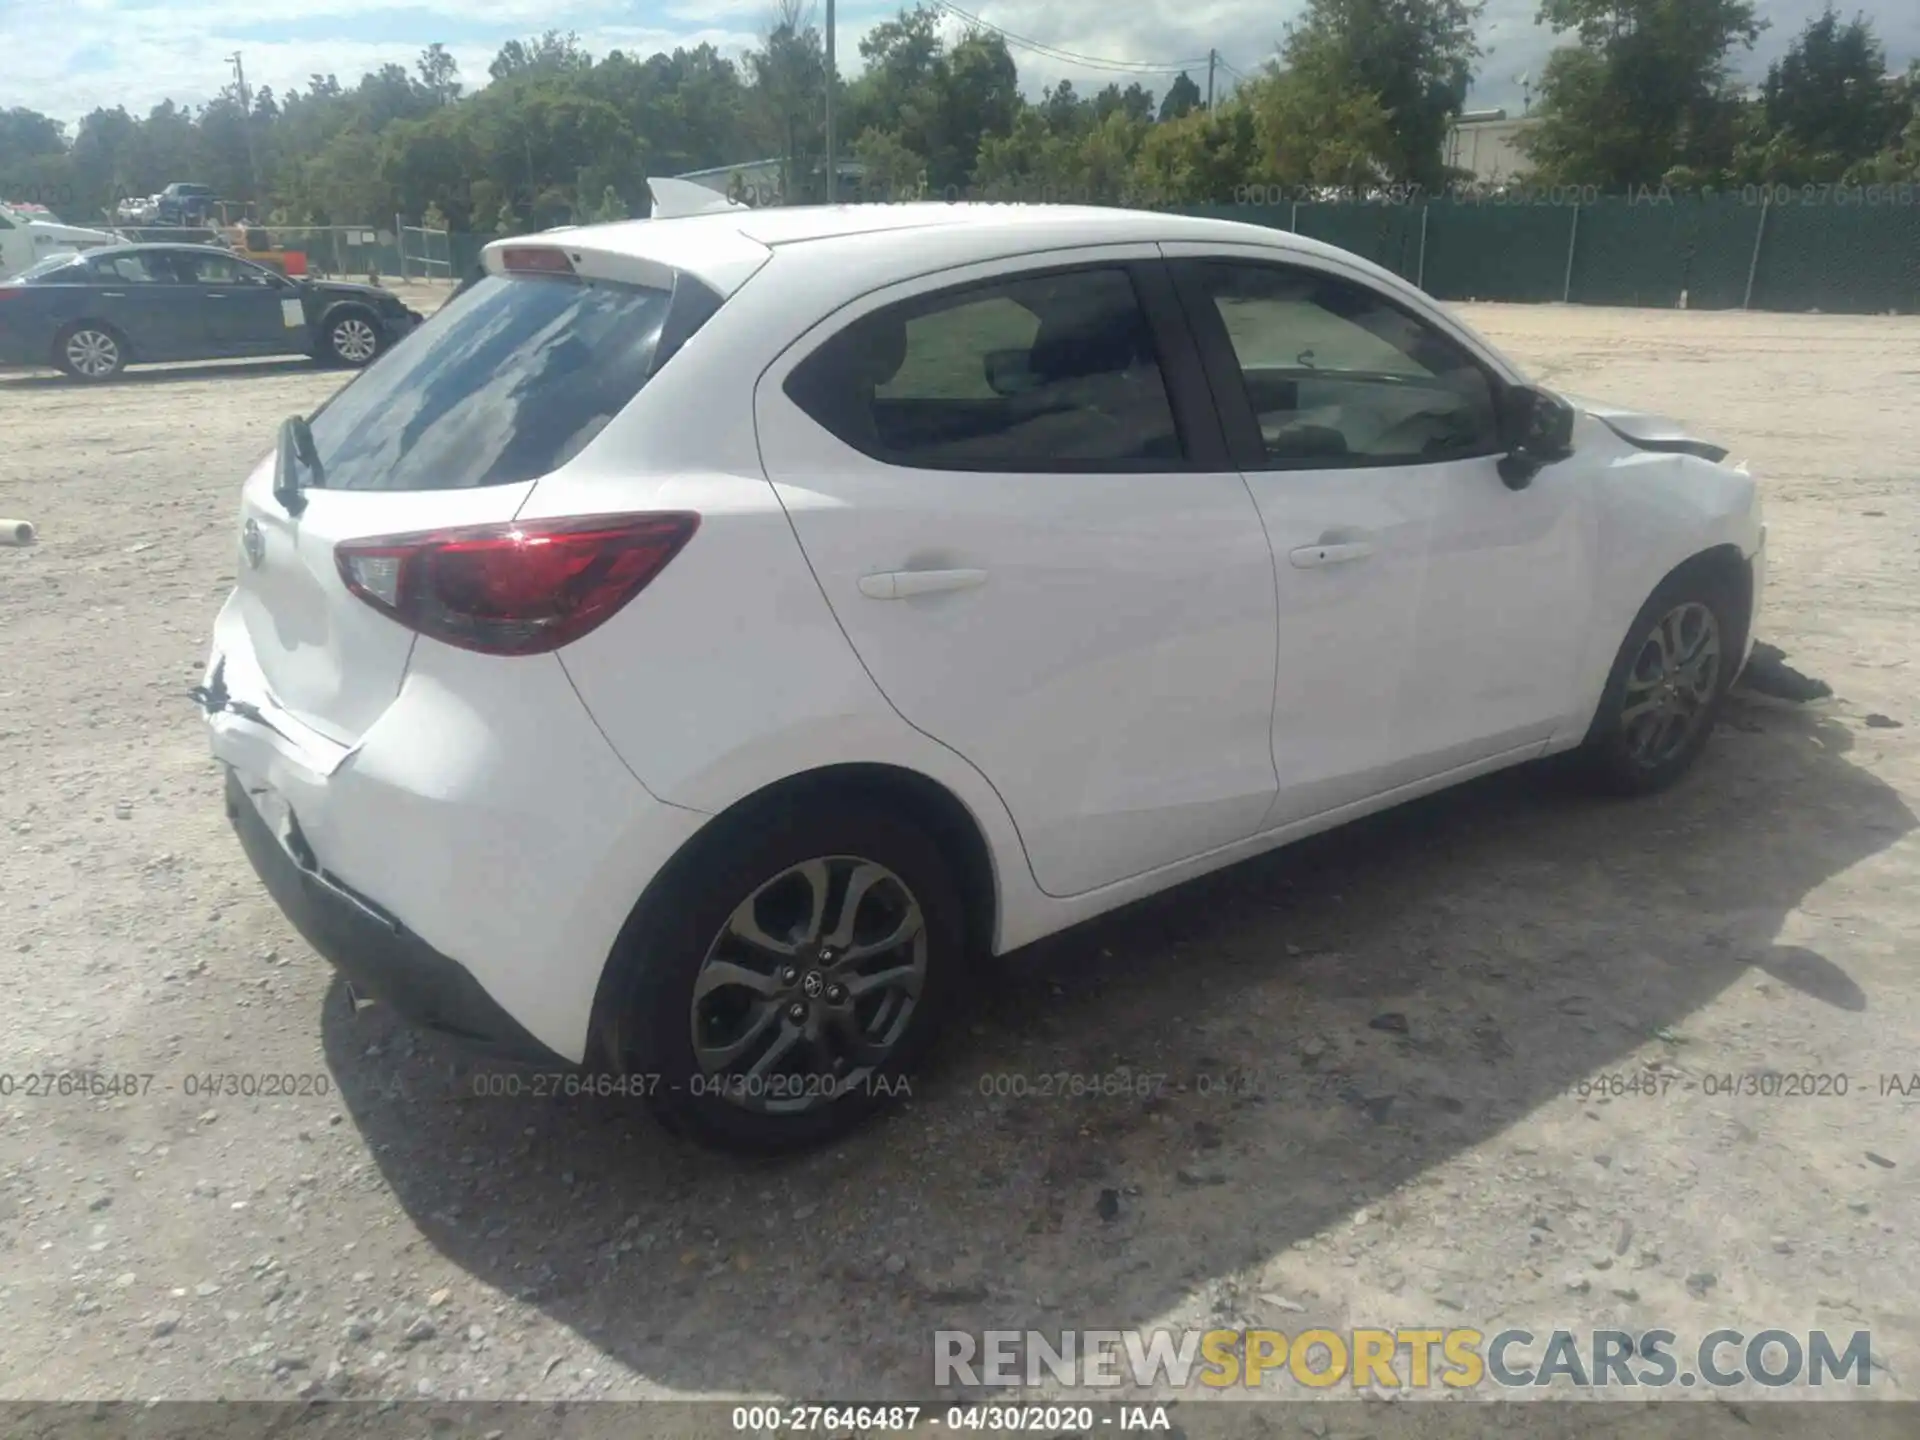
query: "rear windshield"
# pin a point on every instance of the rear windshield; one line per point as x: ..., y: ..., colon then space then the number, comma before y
x: 508, y: 382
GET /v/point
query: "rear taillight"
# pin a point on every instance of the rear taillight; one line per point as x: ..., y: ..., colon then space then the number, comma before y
x: 522, y: 588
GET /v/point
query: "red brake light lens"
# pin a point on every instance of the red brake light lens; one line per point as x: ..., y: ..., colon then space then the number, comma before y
x: 540, y: 259
x: 523, y: 588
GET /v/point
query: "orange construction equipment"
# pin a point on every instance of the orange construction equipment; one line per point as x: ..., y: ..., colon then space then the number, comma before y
x: 248, y: 240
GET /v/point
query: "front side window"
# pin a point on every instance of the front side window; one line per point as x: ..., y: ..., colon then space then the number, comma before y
x: 1338, y: 374
x: 1051, y: 371
x: 222, y: 270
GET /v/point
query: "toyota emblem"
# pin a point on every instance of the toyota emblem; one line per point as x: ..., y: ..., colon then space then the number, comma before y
x: 813, y: 984
x: 253, y: 543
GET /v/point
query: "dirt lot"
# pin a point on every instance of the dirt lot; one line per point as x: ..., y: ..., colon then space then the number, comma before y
x: 1314, y: 1160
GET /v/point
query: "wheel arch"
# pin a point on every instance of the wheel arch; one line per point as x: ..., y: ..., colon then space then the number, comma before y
x: 1720, y: 564
x: 956, y: 831
x: 1725, y: 565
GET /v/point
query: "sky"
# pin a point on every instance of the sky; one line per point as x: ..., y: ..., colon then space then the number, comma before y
x: 65, y: 57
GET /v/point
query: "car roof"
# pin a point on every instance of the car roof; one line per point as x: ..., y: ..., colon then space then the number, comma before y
x: 711, y: 246
x: 149, y: 247
x: 724, y: 249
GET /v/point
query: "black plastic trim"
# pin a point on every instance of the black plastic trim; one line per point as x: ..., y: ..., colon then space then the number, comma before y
x: 1669, y: 444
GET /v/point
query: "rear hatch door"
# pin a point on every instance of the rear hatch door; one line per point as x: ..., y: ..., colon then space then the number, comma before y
x: 506, y: 384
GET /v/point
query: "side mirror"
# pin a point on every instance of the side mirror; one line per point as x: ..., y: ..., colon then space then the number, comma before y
x: 1536, y: 426
x: 1010, y: 372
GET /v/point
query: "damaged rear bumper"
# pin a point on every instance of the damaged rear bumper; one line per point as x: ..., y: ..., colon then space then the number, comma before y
x: 376, y: 954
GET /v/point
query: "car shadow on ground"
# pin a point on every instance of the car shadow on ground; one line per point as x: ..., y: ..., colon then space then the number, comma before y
x: 1332, y: 1020
x: 161, y: 374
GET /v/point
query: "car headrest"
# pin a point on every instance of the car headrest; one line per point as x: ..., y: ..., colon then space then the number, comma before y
x: 877, y: 350
x: 1075, y: 350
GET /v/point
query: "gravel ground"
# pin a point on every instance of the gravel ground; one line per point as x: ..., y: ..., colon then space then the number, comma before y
x: 1374, y: 1041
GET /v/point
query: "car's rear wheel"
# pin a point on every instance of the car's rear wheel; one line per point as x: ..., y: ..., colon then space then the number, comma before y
x: 1666, y: 686
x: 787, y: 985
x: 353, y: 338
x: 90, y: 351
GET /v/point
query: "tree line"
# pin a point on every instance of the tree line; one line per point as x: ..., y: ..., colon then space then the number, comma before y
x: 1359, y: 98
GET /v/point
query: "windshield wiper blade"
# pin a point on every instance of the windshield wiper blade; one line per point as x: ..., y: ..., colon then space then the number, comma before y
x: 296, y: 446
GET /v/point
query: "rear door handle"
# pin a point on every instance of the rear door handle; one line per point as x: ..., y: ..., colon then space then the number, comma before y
x: 899, y: 584
x: 113, y: 294
x: 1310, y: 557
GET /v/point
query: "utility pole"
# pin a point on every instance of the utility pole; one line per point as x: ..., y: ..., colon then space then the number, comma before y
x: 1213, y: 57
x: 833, y: 164
x: 246, y: 126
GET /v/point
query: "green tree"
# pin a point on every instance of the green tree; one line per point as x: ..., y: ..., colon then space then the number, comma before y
x: 550, y: 53
x: 1415, y: 58
x: 1199, y: 159
x: 1183, y: 97
x: 1134, y: 102
x: 1826, y: 102
x: 439, y: 74
x: 1642, y: 98
x: 34, y: 164
x: 890, y: 171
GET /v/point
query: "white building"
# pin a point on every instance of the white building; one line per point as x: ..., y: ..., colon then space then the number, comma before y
x: 1487, y: 146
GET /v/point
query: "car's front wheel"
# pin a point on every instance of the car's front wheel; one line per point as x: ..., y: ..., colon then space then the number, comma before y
x: 790, y: 981
x: 90, y: 351
x: 1666, y: 686
x: 353, y: 338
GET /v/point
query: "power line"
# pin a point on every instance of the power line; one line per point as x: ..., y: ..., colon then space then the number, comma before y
x: 1070, y: 57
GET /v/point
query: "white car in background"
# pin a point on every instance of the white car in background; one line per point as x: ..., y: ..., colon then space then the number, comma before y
x: 706, y: 636
x: 26, y: 240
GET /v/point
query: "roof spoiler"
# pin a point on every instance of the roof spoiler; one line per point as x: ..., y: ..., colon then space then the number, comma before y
x: 674, y: 198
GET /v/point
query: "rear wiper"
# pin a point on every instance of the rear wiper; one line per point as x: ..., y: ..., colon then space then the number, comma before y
x: 296, y: 445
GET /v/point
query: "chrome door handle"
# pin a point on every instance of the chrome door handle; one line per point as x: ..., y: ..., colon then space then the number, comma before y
x: 216, y: 295
x: 899, y: 584
x: 113, y: 294
x: 1310, y: 557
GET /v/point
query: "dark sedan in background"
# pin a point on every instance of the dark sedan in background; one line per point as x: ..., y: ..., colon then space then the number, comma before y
x: 94, y: 313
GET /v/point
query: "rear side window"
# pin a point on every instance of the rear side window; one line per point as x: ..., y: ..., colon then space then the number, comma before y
x: 506, y: 383
x: 135, y: 269
x: 54, y: 270
x: 1055, y: 371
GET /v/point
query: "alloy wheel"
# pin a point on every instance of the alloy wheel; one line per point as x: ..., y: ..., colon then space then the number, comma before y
x: 354, y: 340
x: 810, y: 985
x: 93, y: 353
x: 1671, y: 685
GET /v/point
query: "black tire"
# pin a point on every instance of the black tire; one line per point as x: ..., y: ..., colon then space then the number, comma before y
x: 352, y: 337
x: 651, y: 1006
x: 85, y: 347
x: 1615, y: 760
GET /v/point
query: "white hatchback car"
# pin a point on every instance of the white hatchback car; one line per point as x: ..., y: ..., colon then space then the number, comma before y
x: 704, y: 637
